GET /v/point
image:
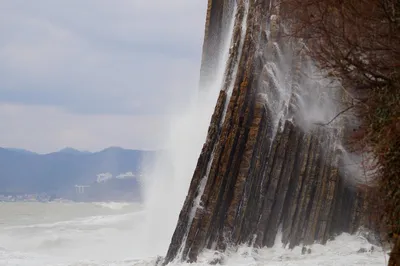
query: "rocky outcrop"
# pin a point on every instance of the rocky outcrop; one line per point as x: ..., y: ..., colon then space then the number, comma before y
x: 254, y: 177
x: 395, y: 254
x: 218, y: 17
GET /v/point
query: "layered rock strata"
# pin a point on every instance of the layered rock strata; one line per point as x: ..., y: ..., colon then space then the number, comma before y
x: 255, y: 178
x: 395, y: 254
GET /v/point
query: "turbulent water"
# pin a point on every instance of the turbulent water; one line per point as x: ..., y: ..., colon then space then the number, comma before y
x: 51, y: 234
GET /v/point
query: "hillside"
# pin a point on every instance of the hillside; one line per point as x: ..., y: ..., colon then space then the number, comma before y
x: 58, y: 173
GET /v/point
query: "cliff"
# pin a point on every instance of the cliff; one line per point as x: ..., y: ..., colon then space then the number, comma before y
x: 261, y: 170
x: 395, y: 254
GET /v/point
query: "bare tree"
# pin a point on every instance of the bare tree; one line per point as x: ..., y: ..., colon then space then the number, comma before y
x: 358, y: 42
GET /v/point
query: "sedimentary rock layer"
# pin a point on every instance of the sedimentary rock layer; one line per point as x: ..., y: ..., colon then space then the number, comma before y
x: 395, y: 254
x: 254, y: 178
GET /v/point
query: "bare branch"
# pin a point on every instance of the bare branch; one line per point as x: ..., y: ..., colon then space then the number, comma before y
x: 336, y: 116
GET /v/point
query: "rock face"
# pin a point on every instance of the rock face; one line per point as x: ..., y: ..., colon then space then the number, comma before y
x: 259, y: 174
x: 395, y: 254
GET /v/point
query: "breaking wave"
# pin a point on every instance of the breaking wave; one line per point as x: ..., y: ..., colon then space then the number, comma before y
x: 345, y: 250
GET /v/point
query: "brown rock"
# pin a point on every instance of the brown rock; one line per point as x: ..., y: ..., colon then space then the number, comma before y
x: 395, y: 254
x: 257, y: 178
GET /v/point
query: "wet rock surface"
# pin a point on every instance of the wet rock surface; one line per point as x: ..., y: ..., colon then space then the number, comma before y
x: 395, y: 254
x: 254, y: 178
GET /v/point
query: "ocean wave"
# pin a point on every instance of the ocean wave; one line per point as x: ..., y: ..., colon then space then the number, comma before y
x: 113, y: 205
x: 53, y: 242
x: 80, y: 222
x: 343, y: 251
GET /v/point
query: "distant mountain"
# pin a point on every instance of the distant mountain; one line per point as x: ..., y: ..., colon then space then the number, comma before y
x: 59, y: 172
x: 73, y: 151
x: 20, y: 150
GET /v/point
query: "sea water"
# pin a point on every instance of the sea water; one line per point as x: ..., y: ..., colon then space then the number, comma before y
x: 76, y: 234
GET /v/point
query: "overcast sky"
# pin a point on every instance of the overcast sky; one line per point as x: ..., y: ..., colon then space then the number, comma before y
x: 90, y: 74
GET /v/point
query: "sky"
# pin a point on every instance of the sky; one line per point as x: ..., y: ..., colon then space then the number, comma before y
x: 90, y: 74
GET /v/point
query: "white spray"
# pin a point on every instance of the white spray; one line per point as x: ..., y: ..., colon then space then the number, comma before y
x: 218, y: 86
x: 167, y: 181
x: 288, y: 73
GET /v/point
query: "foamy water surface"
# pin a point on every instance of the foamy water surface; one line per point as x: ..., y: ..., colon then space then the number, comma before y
x: 76, y: 234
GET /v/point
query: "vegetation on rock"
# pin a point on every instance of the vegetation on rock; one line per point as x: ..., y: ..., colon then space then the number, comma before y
x: 358, y: 43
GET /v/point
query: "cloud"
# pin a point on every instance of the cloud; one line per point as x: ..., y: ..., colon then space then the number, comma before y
x: 83, y: 61
x: 100, y: 56
x: 46, y: 129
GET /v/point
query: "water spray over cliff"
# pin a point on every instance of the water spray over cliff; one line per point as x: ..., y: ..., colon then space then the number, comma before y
x: 269, y: 162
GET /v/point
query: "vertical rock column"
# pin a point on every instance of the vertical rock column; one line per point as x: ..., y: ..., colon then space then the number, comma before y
x: 227, y: 155
x: 395, y: 254
x: 253, y: 178
x: 218, y: 18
